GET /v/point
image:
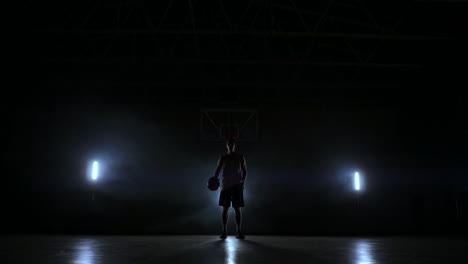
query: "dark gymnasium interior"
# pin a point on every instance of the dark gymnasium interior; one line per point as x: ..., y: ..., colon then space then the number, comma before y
x: 351, y: 116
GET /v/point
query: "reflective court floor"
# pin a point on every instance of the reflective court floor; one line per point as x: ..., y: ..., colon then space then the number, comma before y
x: 210, y: 249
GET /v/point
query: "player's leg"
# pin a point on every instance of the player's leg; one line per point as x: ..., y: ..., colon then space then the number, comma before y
x: 238, y: 217
x: 224, y: 217
x: 225, y: 202
x: 237, y: 203
x: 238, y: 211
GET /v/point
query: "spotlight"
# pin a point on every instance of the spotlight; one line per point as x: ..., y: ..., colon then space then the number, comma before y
x: 95, y: 171
x: 357, y: 181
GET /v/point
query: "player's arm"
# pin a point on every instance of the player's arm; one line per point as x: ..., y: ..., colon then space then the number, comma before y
x: 219, y: 166
x: 243, y: 169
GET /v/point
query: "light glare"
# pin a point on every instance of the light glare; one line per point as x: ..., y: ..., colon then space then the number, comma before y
x: 363, y: 252
x: 231, y: 248
x: 95, y: 171
x: 357, y: 182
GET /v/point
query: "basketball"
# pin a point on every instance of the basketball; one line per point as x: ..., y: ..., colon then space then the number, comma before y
x: 213, y: 183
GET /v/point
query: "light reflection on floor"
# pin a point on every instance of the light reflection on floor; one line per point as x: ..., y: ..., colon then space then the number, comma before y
x: 231, y: 247
x: 85, y: 253
x: 211, y: 250
x: 363, y: 252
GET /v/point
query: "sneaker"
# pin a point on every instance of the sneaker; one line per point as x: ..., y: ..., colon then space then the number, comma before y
x: 223, y: 235
x: 240, y: 235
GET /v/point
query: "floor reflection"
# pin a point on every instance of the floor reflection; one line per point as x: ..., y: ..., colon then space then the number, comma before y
x: 363, y: 252
x: 85, y: 252
x: 231, y: 246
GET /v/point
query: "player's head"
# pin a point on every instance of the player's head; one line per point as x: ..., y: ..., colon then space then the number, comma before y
x: 230, y: 145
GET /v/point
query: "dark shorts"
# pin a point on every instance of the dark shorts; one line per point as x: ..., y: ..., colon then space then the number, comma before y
x: 234, y: 195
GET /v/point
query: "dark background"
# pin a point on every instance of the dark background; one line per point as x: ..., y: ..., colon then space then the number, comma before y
x: 339, y: 86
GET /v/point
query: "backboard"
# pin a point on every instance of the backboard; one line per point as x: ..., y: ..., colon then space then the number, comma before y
x: 218, y: 124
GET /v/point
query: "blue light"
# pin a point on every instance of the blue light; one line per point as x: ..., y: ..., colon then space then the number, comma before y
x: 231, y: 248
x: 85, y: 252
x: 357, y: 182
x: 95, y: 171
x: 363, y: 252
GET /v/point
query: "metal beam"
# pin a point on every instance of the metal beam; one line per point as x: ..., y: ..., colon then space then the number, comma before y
x: 286, y: 34
x: 232, y: 61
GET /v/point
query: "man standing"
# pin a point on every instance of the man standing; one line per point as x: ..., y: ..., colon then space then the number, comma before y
x: 232, y: 186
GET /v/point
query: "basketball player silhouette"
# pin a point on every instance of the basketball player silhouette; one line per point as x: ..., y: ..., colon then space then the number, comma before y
x: 232, y: 186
